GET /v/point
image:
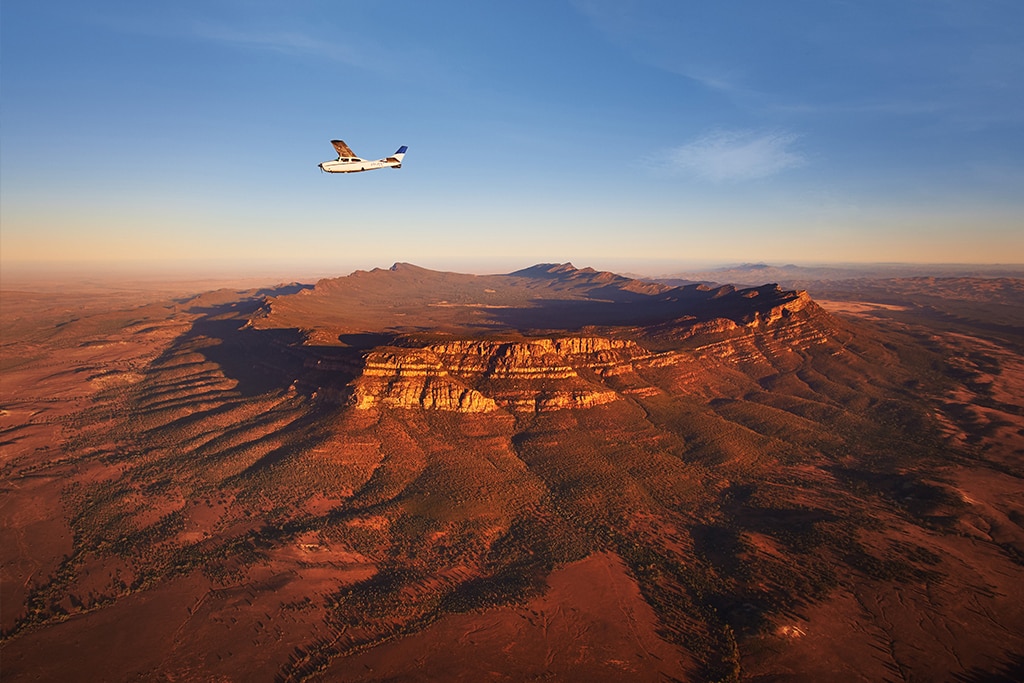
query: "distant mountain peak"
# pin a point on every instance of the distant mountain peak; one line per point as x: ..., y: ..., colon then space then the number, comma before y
x: 401, y: 267
x: 547, y: 270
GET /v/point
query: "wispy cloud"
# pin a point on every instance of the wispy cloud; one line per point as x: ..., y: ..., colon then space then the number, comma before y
x: 730, y: 155
x: 727, y: 81
x: 288, y: 42
x: 404, y: 62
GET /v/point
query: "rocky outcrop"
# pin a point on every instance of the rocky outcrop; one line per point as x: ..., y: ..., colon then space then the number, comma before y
x: 550, y: 337
x: 481, y: 375
x: 537, y: 358
x: 414, y: 378
x: 582, y: 371
x: 800, y: 302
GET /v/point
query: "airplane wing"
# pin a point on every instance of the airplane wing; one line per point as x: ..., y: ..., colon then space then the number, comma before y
x: 343, y: 149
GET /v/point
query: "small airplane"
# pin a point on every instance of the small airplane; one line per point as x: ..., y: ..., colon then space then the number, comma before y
x: 348, y: 162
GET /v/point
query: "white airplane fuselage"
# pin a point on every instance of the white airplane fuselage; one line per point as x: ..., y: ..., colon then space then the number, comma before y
x: 348, y: 162
x: 356, y: 165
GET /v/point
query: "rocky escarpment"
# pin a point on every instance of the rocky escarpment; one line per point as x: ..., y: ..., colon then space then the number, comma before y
x: 550, y: 337
x: 481, y: 376
x: 578, y: 372
x: 415, y: 378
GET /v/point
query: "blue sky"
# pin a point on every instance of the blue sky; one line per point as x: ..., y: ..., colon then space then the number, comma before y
x: 608, y: 133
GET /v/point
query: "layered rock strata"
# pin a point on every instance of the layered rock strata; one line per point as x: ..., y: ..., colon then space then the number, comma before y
x: 480, y: 376
x: 577, y: 372
x: 414, y: 378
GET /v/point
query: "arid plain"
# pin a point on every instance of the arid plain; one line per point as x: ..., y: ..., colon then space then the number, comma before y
x: 556, y: 474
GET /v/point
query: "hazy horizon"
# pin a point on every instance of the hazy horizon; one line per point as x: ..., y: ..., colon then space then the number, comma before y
x: 269, y: 272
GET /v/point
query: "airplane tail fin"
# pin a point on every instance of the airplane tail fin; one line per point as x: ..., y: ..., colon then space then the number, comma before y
x: 398, y: 156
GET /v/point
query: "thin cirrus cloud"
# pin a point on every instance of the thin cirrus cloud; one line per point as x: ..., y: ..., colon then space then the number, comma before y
x: 285, y: 41
x: 373, y: 56
x: 736, y: 155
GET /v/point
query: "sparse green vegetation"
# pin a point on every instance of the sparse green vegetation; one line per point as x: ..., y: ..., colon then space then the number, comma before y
x: 740, y: 485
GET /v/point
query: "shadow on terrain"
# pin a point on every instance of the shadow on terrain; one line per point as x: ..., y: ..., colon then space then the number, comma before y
x: 1010, y: 671
x: 293, y: 288
x: 926, y: 501
x: 764, y: 588
x: 613, y: 306
x: 363, y: 341
x: 230, y: 297
x: 258, y: 360
x: 268, y: 360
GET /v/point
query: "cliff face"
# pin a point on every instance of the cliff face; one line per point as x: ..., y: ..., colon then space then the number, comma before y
x: 579, y: 372
x: 414, y: 378
x: 481, y: 376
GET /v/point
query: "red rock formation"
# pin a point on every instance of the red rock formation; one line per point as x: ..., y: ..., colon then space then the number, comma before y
x: 556, y: 373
